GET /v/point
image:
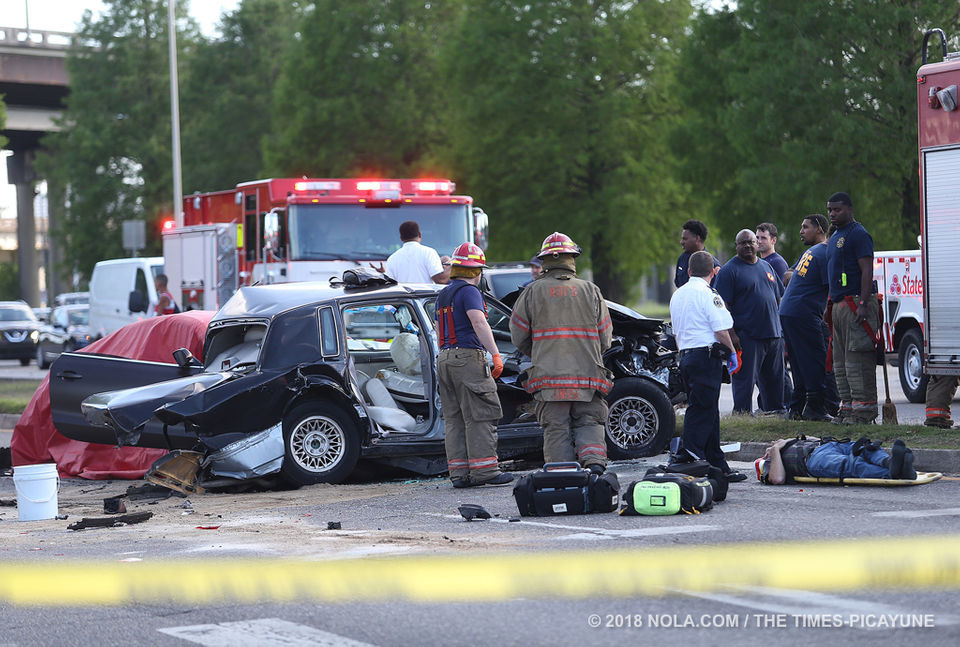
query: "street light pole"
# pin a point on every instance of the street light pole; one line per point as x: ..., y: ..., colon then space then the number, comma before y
x: 175, y: 118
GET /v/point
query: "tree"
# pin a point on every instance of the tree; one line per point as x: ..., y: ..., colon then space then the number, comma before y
x: 112, y: 155
x: 227, y: 94
x: 790, y: 102
x: 359, y: 92
x: 558, y: 125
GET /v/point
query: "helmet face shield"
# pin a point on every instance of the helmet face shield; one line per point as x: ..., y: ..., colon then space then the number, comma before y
x: 556, y: 244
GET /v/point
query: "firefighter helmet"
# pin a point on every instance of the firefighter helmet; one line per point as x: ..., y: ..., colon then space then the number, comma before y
x: 557, y: 243
x: 468, y: 255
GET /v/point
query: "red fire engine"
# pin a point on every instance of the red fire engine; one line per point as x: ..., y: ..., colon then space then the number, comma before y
x: 289, y: 229
x: 938, y: 121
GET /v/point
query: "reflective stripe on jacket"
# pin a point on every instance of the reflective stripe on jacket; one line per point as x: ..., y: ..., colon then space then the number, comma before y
x: 562, y: 323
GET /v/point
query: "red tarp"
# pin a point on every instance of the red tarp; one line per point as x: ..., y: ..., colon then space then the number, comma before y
x: 36, y: 441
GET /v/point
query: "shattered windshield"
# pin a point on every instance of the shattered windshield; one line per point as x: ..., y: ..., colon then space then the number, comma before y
x: 323, y: 232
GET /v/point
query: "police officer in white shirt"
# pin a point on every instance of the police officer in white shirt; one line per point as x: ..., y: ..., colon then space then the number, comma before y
x: 413, y: 262
x: 701, y: 323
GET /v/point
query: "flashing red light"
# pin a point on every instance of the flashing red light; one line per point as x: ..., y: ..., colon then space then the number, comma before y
x: 377, y: 185
x: 169, y: 225
x: 433, y: 185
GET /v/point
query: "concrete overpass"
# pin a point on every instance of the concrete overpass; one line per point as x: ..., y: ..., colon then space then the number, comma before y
x: 34, y: 83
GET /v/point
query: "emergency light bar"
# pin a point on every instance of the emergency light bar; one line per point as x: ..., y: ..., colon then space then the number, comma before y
x: 377, y: 186
x: 434, y: 186
x: 317, y: 186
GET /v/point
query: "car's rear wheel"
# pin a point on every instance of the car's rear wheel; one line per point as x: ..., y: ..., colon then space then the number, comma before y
x: 641, y: 419
x: 41, y: 358
x: 321, y: 445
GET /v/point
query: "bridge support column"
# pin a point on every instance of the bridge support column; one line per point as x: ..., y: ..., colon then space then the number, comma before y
x: 20, y: 172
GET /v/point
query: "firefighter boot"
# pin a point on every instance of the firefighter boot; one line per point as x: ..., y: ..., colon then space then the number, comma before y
x: 815, y: 408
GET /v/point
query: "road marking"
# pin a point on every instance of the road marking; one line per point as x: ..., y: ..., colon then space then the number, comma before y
x: 917, y: 514
x: 809, y: 603
x: 922, y: 561
x: 266, y: 632
x: 597, y: 533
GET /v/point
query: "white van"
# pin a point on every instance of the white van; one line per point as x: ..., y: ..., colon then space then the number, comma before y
x: 121, y: 292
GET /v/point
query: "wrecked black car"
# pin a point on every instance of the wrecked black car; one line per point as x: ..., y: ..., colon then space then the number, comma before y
x: 305, y: 379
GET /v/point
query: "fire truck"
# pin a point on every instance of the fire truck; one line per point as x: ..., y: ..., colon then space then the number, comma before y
x: 899, y: 277
x: 290, y: 229
x: 938, y: 124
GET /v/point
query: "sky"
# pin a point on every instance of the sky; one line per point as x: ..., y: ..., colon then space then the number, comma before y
x: 64, y: 15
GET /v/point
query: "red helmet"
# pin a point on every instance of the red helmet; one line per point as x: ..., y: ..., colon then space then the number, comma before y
x: 557, y: 243
x: 468, y: 255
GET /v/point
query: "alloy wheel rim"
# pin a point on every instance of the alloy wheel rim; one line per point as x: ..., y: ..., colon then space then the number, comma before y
x: 317, y: 443
x: 632, y: 422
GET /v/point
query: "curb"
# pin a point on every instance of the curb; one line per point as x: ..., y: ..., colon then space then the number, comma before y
x: 9, y: 420
x: 946, y: 461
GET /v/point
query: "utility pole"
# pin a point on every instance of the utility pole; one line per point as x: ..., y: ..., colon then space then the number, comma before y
x: 175, y: 118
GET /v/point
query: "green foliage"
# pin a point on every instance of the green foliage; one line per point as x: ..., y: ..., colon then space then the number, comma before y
x: 3, y: 121
x: 560, y: 126
x: 789, y: 102
x: 226, y: 94
x: 359, y: 91
x: 9, y: 282
x: 113, y: 153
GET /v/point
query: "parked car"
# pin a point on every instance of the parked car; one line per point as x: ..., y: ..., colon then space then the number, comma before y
x: 71, y: 298
x: 67, y: 330
x: 503, y: 278
x: 19, y: 326
x: 304, y: 379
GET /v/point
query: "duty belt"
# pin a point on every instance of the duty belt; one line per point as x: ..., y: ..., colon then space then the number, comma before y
x: 692, y: 350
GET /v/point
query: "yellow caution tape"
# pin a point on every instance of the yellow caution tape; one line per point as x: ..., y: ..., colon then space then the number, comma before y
x: 913, y: 562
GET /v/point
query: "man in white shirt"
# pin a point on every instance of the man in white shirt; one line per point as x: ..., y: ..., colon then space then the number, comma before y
x: 701, y: 323
x: 413, y: 262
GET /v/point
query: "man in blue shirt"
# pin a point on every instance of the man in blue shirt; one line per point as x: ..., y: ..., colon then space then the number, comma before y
x: 752, y: 290
x: 855, y: 312
x: 801, y: 316
x: 692, y: 238
x: 767, y: 248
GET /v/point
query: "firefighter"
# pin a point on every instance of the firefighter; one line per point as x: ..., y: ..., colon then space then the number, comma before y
x: 468, y: 392
x: 563, y: 324
x: 940, y: 392
x: 855, y: 311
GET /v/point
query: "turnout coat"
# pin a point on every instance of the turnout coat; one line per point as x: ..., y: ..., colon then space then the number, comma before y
x: 562, y: 323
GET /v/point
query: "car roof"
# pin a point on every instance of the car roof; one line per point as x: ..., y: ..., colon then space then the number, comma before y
x: 267, y: 301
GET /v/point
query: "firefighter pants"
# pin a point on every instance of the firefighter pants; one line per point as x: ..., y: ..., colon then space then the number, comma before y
x: 940, y: 392
x: 471, y: 409
x: 574, y: 431
x: 855, y: 359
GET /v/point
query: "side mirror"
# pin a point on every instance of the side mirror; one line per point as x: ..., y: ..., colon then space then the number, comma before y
x: 185, y: 359
x: 271, y: 233
x: 136, y: 302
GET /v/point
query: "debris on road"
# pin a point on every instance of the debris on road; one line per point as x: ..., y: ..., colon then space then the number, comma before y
x: 471, y: 511
x: 114, y: 505
x: 334, y: 525
x: 110, y: 522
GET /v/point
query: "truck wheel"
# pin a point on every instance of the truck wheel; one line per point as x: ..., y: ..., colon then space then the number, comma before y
x: 42, y: 358
x: 641, y: 419
x: 321, y: 445
x: 912, y: 379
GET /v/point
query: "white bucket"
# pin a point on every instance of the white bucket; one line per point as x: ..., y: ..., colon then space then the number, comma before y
x: 37, y: 487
